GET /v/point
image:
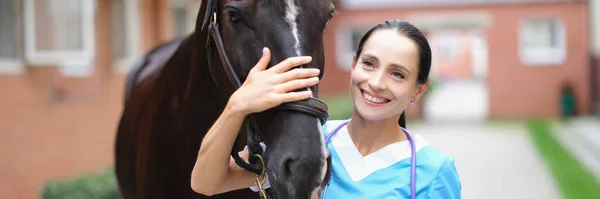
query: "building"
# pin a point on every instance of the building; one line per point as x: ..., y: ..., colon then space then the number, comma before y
x: 492, y: 59
x: 62, y: 70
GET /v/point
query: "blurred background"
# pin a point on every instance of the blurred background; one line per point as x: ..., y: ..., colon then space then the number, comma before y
x: 515, y: 94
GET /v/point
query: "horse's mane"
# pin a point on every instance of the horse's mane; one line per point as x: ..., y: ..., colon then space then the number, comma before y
x: 187, y: 71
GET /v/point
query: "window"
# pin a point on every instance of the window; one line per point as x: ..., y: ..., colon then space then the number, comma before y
x: 448, y: 44
x: 179, y: 22
x: 125, y: 34
x: 119, y: 29
x: 542, y: 42
x: 60, y: 32
x: 184, y: 13
x: 347, y: 44
x: 10, y: 62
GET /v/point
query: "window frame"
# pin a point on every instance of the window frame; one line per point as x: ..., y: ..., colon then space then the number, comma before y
x: 551, y: 56
x: 448, y: 44
x: 78, y: 61
x: 132, y: 38
x: 190, y: 7
x: 15, y: 65
x: 344, y: 45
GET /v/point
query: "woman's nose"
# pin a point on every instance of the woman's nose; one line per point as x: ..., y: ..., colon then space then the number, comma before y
x: 376, y: 81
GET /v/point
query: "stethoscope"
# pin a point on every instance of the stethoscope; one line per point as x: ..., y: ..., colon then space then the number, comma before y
x: 413, y: 158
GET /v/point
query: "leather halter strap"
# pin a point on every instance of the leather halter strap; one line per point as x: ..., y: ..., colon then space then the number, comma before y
x: 310, y: 106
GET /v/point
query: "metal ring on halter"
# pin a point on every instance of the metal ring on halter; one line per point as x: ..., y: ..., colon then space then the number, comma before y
x: 214, y: 18
x: 261, y: 179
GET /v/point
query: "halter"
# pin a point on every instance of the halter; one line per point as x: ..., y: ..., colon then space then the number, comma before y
x: 311, y: 106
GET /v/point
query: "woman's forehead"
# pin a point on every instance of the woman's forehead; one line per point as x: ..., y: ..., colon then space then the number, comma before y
x: 393, y: 48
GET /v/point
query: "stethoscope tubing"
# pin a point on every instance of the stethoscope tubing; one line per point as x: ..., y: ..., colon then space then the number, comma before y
x: 413, y: 165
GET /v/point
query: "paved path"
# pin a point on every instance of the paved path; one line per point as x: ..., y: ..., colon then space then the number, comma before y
x: 493, y: 160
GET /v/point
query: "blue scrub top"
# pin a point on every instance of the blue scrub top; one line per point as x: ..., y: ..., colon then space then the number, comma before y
x: 388, y: 175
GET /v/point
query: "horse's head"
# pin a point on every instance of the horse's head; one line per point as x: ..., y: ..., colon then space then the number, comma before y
x: 296, y: 156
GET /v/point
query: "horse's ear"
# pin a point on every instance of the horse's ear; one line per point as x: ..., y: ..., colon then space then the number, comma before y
x: 207, y: 8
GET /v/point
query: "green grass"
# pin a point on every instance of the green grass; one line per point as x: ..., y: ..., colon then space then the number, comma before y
x: 574, y: 181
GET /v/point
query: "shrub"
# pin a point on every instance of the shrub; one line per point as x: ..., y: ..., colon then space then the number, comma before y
x: 101, y: 185
x: 340, y: 106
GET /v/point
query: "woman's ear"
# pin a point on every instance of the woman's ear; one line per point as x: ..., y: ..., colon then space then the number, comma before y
x: 421, y: 89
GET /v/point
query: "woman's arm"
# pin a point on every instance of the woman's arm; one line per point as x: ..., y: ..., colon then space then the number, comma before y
x: 215, y: 171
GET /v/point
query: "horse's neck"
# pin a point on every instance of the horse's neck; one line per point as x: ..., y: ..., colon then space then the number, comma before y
x: 207, y: 96
x: 182, y: 86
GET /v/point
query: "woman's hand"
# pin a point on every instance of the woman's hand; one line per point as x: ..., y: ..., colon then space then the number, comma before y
x: 268, y: 88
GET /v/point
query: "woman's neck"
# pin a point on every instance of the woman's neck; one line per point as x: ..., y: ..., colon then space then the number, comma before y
x: 369, y: 136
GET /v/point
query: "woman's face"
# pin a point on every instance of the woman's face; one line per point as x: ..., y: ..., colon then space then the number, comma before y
x: 384, y: 75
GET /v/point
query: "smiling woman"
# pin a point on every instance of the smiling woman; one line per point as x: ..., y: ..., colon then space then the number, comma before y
x: 373, y: 154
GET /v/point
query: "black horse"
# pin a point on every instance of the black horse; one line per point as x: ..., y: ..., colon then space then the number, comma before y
x: 179, y: 89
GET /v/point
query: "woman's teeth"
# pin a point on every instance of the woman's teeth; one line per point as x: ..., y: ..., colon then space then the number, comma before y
x: 374, y: 99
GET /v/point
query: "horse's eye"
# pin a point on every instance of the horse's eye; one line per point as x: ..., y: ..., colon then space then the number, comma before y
x: 234, y: 15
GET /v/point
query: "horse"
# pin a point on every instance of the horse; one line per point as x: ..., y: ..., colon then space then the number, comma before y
x: 178, y: 89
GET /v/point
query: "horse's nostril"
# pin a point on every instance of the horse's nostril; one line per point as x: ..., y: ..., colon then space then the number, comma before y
x: 287, y: 165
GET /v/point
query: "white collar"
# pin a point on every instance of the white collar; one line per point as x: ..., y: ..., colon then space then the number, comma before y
x: 359, y: 167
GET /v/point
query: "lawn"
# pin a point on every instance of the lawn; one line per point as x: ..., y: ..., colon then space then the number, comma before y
x: 574, y: 181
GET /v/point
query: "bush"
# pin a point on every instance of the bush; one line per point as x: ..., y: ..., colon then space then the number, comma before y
x: 102, y: 185
x: 340, y: 106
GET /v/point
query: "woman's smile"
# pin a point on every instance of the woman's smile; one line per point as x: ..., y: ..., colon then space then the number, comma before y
x: 373, y: 99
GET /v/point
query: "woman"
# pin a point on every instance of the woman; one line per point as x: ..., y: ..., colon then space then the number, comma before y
x: 371, y: 152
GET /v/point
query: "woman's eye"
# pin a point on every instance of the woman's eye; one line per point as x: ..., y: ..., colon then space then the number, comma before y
x: 368, y: 64
x: 398, y: 75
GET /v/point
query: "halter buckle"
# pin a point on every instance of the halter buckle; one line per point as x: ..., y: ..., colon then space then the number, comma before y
x: 261, y: 179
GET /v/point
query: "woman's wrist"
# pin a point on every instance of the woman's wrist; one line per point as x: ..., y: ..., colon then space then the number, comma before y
x: 235, y: 109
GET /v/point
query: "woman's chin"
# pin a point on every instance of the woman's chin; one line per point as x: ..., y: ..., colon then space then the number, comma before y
x: 369, y: 114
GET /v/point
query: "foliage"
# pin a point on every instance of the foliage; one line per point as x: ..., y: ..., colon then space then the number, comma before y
x: 340, y: 106
x: 101, y: 185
